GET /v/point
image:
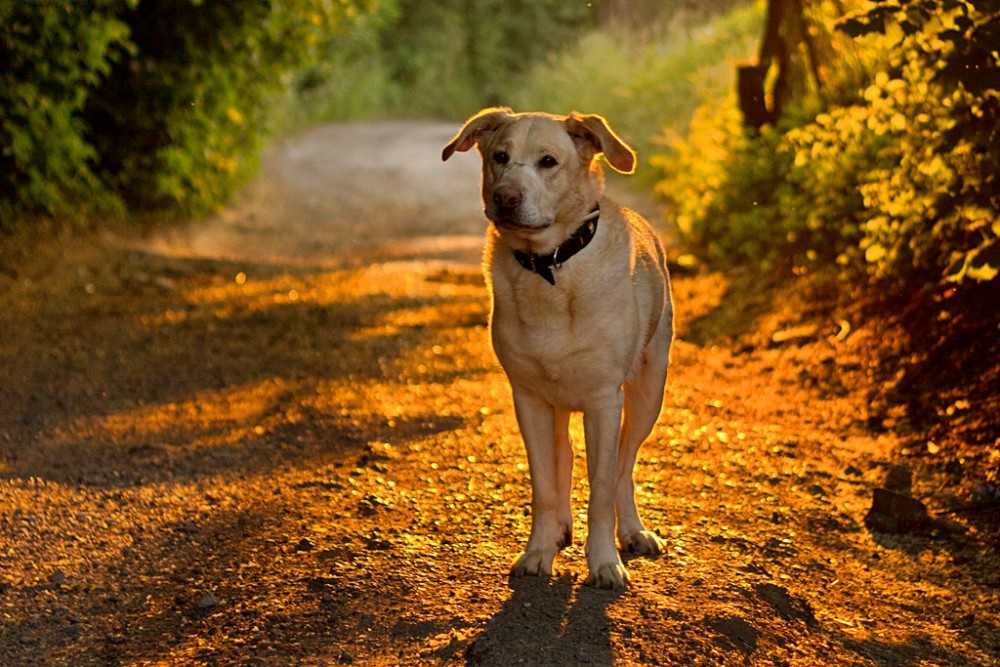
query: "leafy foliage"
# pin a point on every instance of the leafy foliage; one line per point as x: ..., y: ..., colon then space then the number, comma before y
x: 440, y: 59
x: 52, y: 57
x: 899, y: 180
x: 723, y: 186
x: 128, y: 106
x: 452, y: 57
x: 349, y: 79
x: 178, y: 122
x: 144, y: 104
x: 643, y: 84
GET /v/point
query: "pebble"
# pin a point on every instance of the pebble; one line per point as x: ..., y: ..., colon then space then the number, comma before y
x: 208, y: 600
x: 899, y: 479
x: 376, y: 544
x: 896, y: 513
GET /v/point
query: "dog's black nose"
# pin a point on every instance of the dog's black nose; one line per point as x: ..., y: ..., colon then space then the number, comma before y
x: 507, y: 198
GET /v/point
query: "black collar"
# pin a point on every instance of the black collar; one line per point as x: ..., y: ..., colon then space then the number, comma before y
x: 543, y: 264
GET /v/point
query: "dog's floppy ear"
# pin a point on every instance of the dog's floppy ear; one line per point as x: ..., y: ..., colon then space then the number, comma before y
x: 487, y: 120
x: 593, y: 135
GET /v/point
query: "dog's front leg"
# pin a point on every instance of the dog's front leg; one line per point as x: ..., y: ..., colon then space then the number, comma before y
x: 601, y: 425
x: 550, y: 465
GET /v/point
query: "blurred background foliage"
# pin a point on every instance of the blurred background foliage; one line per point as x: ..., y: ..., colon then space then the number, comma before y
x: 782, y: 135
x: 119, y: 107
x: 887, y: 166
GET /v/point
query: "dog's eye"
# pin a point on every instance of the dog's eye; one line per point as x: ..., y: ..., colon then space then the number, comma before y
x: 547, y: 162
x: 501, y: 157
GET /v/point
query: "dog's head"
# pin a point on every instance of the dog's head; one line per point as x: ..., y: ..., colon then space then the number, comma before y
x: 540, y: 170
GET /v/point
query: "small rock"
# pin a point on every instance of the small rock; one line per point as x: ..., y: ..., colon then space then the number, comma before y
x: 58, y: 578
x: 320, y: 584
x: 817, y: 491
x: 376, y: 544
x: 371, y: 504
x: 377, y: 451
x: 986, y: 493
x: 899, y: 479
x: 208, y: 600
x: 900, y: 514
x: 305, y: 544
x: 897, y: 514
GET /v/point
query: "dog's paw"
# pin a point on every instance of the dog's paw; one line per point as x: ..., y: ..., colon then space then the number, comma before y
x: 644, y: 543
x: 612, y: 576
x: 533, y: 563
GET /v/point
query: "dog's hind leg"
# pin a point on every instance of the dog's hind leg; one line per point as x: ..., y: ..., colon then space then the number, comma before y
x: 546, y: 439
x: 643, y: 399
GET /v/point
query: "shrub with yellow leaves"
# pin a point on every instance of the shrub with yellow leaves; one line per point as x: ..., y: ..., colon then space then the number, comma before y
x: 901, y: 180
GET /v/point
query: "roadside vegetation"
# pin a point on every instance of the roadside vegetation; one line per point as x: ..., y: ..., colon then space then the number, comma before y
x: 872, y: 168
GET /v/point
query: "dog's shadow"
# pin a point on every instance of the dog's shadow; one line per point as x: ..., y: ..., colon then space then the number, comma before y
x: 547, y: 621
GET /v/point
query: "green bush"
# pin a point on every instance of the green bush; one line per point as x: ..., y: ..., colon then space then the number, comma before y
x: 935, y: 212
x: 128, y: 107
x: 900, y: 182
x: 349, y: 79
x: 725, y: 189
x: 144, y: 105
x: 53, y: 55
x: 179, y: 120
x: 432, y: 59
x: 643, y: 85
x: 452, y: 57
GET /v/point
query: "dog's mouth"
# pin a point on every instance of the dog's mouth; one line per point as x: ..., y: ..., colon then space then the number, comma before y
x: 513, y: 223
x: 514, y: 226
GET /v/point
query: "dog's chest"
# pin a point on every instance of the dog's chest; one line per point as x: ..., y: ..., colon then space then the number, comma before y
x: 561, y: 344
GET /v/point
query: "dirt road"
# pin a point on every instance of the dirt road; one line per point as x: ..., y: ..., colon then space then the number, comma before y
x: 280, y: 438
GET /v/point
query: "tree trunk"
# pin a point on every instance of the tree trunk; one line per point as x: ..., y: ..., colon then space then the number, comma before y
x: 786, y: 63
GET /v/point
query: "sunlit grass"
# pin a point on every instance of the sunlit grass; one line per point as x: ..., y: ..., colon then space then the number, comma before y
x: 643, y: 85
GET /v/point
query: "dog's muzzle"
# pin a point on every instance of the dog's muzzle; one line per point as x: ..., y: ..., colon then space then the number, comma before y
x: 507, y: 199
x: 507, y: 210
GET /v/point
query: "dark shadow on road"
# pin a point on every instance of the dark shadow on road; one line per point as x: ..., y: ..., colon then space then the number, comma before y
x: 171, y: 368
x: 547, y: 622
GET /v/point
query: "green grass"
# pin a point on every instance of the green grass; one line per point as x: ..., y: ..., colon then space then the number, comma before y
x: 645, y: 88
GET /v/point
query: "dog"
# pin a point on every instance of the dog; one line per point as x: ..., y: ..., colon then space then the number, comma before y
x: 581, y: 321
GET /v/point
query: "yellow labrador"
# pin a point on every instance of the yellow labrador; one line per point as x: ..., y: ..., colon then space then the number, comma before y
x: 581, y: 321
